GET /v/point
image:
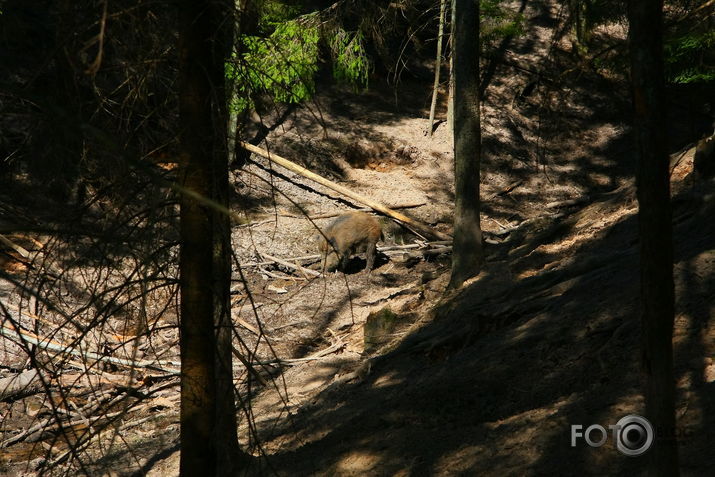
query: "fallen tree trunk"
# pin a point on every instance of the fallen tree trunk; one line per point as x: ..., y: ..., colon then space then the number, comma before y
x: 20, y: 385
x: 291, y: 166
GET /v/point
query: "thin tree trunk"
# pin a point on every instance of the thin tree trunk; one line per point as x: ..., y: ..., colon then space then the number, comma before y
x: 246, y: 24
x: 582, y: 26
x: 450, y: 97
x: 231, y: 152
x: 437, y: 66
x: 655, y: 230
x: 229, y: 456
x: 467, y: 254
x: 208, y: 420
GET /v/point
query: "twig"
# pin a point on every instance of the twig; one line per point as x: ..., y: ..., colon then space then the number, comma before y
x: 248, y: 366
x: 692, y: 12
x: 30, y: 430
x: 506, y: 189
x: 319, y: 355
x: 43, y: 425
x: 47, y: 343
x: 328, y: 215
x: 247, y: 325
x: 256, y: 224
x: 435, y: 251
x: 290, y: 265
x: 55, y: 326
x: 304, y: 258
x: 94, y: 67
x: 567, y: 203
x: 277, y: 276
x: 24, y: 253
x: 402, y: 291
x: 389, y: 248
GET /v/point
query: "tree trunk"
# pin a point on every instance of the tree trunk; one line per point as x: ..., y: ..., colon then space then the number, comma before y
x: 581, y: 17
x: 208, y: 419
x: 437, y: 66
x: 467, y: 253
x: 450, y: 94
x: 247, y: 16
x: 655, y: 230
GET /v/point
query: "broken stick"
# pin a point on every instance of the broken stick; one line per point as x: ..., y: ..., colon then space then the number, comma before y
x: 293, y: 266
x: 9, y: 243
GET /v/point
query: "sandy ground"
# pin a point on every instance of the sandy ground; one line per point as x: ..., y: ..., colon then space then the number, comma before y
x: 485, y: 381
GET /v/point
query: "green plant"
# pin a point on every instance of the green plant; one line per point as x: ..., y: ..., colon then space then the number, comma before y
x: 689, y: 57
x: 350, y: 63
x: 496, y: 23
x: 282, y: 65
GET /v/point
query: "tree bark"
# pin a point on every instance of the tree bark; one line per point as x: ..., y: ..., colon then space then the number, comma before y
x: 580, y: 15
x: 655, y: 230
x: 208, y: 419
x: 467, y: 254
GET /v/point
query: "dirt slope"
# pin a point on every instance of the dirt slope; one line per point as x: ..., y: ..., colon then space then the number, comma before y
x: 486, y: 381
x: 546, y: 337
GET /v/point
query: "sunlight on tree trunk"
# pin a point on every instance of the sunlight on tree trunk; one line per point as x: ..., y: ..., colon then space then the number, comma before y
x: 467, y: 254
x: 655, y: 230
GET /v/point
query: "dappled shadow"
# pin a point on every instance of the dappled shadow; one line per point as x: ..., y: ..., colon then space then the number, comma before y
x: 495, y: 382
x: 549, y: 336
x: 546, y: 338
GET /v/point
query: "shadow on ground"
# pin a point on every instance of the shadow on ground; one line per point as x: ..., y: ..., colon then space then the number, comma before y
x: 492, y: 385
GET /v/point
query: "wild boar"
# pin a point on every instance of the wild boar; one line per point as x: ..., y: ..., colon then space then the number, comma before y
x: 349, y: 234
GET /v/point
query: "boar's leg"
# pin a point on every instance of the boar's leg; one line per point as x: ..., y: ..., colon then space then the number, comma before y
x: 370, y: 252
x: 344, y: 260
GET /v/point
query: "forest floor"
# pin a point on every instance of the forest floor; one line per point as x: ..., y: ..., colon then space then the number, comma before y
x: 484, y: 381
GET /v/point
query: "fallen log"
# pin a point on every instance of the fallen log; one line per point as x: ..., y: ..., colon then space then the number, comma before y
x: 20, y: 385
x: 291, y: 166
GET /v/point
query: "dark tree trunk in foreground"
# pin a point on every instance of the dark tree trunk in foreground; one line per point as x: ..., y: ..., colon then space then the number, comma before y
x: 655, y: 230
x: 208, y: 419
x: 467, y: 253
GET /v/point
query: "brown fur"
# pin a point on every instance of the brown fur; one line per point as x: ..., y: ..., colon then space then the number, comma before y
x: 349, y: 234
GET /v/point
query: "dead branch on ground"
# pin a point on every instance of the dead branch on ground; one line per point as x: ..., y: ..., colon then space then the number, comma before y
x: 291, y: 166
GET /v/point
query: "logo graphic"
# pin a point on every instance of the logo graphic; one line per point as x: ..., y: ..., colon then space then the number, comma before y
x: 633, y: 435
